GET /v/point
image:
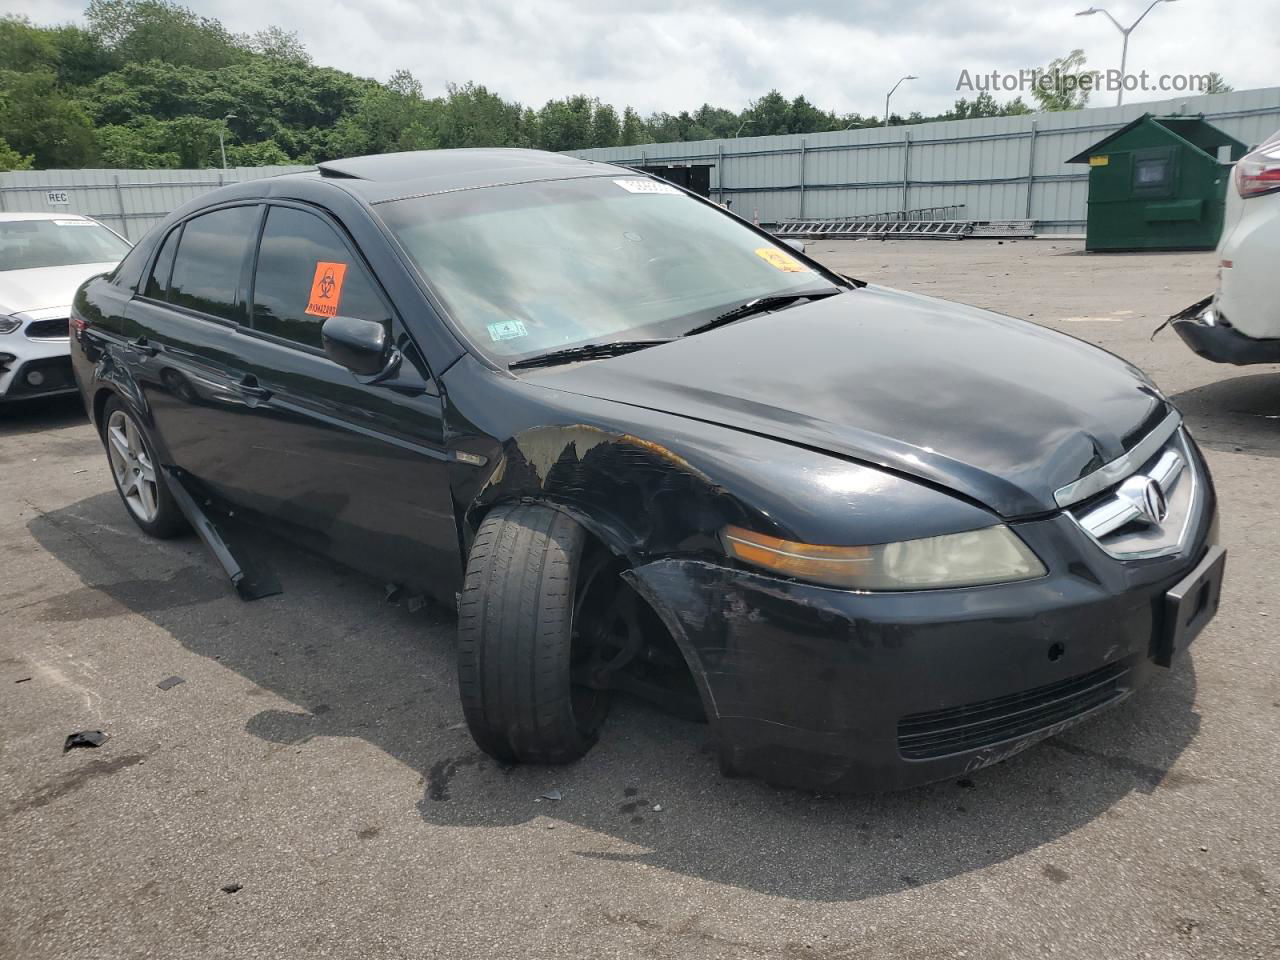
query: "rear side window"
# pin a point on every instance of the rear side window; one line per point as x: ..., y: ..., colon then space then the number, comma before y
x: 158, y: 283
x: 210, y: 261
x: 305, y: 275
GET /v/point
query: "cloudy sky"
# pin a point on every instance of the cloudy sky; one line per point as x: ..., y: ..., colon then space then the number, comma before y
x: 675, y: 54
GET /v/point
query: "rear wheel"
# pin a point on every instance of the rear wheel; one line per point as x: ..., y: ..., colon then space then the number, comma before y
x: 529, y: 575
x: 138, y: 478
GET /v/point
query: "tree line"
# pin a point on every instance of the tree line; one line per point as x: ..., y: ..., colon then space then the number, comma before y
x: 151, y: 84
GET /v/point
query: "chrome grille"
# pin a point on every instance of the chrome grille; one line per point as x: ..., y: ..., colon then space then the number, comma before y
x: 1148, y: 513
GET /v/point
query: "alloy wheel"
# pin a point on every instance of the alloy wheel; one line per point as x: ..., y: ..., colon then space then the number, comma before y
x: 131, y: 464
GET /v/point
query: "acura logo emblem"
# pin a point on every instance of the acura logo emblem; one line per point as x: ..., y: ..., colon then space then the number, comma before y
x: 1154, y: 507
x: 1146, y: 497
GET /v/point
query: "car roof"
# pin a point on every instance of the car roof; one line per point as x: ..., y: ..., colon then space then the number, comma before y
x: 392, y: 176
x: 11, y: 217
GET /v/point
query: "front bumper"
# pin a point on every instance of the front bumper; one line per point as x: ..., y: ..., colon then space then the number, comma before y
x: 1210, y: 334
x: 34, y: 368
x: 831, y: 690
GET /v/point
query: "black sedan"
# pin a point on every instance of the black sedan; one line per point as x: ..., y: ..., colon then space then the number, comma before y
x: 874, y: 539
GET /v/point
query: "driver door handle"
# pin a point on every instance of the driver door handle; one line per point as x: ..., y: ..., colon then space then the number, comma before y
x: 250, y: 389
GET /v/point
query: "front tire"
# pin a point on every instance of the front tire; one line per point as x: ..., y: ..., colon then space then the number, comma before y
x: 516, y: 639
x: 139, y: 479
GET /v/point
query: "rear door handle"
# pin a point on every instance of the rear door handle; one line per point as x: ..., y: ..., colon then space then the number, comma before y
x: 250, y: 389
x: 143, y: 346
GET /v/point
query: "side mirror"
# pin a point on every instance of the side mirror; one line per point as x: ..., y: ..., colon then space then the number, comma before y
x: 797, y: 245
x: 359, y: 345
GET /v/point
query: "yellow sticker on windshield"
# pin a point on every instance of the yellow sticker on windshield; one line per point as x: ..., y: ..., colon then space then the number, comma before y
x: 783, y: 261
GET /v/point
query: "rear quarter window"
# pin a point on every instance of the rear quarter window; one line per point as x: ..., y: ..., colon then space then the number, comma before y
x: 210, y: 262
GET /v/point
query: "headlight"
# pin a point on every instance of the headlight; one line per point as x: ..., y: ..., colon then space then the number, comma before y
x: 990, y: 555
x: 9, y: 324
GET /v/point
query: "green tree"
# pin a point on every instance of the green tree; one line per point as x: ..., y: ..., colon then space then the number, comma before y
x: 473, y: 116
x: 633, y: 131
x: 140, y: 146
x: 142, y: 30
x: 1062, y: 85
x: 1215, y: 83
x: 277, y: 43
x: 265, y: 153
x: 769, y: 115
x: 605, y: 129
x: 566, y: 124
x: 36, y: 118
x: 11, y: 159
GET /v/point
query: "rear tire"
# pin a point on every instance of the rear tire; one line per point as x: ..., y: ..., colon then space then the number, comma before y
x: 516, y: 644
x: 139, y: 478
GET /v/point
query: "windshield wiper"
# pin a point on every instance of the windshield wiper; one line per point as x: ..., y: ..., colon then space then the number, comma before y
x: 758, y: 305
x: 587, y: 351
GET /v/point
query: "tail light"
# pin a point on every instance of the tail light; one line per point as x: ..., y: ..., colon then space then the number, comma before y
x: 1258, y: 173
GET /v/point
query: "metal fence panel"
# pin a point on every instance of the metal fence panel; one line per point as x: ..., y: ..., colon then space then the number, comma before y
x: 129, y: 201
x: 1000, y: 168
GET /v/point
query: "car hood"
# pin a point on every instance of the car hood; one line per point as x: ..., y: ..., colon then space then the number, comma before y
x: 997, y: 409
x: 42, y: 287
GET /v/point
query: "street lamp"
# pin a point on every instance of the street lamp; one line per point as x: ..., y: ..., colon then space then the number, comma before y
x: 895, y: 87
x: 740, y: 126
x: 221, y: 144
x: 1125, y: 31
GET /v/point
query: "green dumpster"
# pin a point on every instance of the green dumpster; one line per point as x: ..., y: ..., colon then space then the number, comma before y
x: 1159, y: 184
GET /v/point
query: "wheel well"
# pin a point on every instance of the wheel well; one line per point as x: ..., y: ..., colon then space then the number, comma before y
x: 99, y: 402
x: 659, y: 672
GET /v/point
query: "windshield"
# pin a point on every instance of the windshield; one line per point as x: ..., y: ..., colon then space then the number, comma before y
x: 529, y: 268
x: 25, y: 244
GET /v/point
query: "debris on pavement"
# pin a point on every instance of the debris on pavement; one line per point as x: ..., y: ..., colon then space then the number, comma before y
x: 549, y: 795
x: 231, y: 887
x: 168, y: 683
x: 85, y: 738
x: 22, y: 680
x: 657, y: 808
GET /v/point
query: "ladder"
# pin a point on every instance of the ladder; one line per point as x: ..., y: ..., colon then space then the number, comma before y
x: 833, y: 229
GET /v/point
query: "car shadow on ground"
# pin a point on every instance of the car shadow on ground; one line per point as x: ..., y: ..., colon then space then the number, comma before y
x: 19, y: 417
x: 1238, y: 414
x: 349, y: 664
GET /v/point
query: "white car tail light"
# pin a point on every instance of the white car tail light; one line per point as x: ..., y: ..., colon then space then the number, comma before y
x: 1258, y: 173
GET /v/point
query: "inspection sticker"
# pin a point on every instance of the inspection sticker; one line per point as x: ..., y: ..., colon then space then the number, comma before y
x: 783, y: 261
x: 507, y: 330
x: 646, y: 186
x: 326, y: 289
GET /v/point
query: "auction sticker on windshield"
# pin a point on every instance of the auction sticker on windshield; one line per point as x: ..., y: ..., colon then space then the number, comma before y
x: 507, y: 330
x: 783, y: 261
x: 646, y: 186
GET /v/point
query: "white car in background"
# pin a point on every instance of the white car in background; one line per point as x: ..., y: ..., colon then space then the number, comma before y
x: 1241, y: 322
x: 44, y: 257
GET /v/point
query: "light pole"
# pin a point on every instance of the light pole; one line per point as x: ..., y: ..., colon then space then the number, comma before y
x: 890, y: 94
x: 1125, y: 31
x: 221, y: 144
x: 740, y: 126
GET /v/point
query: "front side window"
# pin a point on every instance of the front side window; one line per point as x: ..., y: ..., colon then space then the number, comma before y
x: 210, y: 261
x: 528, y: 268
x: 29, y: 244
x: 305, y: 275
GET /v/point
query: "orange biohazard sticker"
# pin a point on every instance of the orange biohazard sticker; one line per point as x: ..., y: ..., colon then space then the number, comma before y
x: 326, y: 289
x: 784, y: 262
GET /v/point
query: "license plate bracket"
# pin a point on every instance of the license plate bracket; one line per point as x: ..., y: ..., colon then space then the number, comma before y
x: 1190, y: 605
